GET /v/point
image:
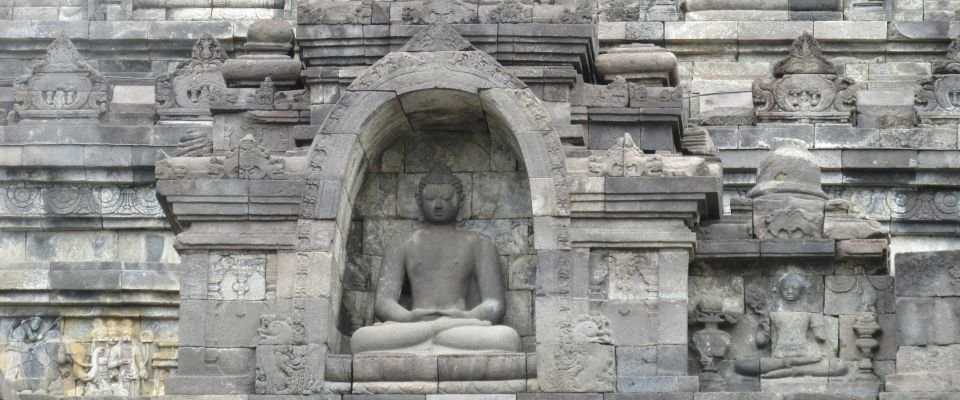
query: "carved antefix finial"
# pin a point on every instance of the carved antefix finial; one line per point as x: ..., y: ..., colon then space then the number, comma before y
x: 207, y: 52
x: 806, y: 57
x: 61, y: 86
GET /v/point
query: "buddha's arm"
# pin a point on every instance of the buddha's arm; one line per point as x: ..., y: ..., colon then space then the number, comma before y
x: 816, y: 324
x: 389, y: 286
x: 490, y: 284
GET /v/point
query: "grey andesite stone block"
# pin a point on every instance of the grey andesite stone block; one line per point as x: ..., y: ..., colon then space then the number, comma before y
x: 928, y: 274
x: 928, y: 321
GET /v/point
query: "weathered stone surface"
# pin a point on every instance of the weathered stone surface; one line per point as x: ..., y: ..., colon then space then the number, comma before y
x: 931, y: 274
x: 632, y: 323
x: 850, y: 294
x: 928, y: 321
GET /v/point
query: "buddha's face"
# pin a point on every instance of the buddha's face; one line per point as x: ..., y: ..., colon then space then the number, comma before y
x: 440, y: 203
x: 791, y: 289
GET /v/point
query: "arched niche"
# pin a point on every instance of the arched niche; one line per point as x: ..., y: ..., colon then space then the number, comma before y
x: 425, y: 103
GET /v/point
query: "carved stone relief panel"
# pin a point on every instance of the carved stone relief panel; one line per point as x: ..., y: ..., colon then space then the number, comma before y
x: 289, y: 369
x: 583, y: 361
x: 237, y: 277
x: 88, y: 357
x: 624, y: 274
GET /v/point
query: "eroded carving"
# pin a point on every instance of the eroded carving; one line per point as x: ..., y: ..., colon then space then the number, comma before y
x: 625, y: 158
x: 194, y: 143
x: 30, y: 356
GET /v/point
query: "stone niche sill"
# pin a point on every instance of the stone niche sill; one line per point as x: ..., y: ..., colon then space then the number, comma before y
x: 426, y: 373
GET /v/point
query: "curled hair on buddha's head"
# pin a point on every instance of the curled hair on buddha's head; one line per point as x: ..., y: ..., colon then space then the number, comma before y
x: 440, y: 174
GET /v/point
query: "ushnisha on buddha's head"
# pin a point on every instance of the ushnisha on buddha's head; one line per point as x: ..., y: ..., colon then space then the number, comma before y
x: 440, y: 195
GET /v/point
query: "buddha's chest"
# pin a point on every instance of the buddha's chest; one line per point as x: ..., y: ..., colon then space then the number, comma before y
x: 441, y: 264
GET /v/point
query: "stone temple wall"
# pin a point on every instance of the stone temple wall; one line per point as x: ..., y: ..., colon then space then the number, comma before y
x: 699, y: 199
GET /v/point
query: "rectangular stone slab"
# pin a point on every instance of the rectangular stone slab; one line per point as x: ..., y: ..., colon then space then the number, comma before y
x: 928, y: 274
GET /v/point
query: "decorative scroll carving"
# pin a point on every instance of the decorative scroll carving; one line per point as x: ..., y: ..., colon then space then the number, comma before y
x: 793, y: 222
x: 805, y: 88
x: 188, y: 92
x: 938, y: 97
x: 511, y: 12
x: 62, y: 86
x: 440, y: 11
x: 73, y: 200
x: 336, y: 12
x: 275, y: 329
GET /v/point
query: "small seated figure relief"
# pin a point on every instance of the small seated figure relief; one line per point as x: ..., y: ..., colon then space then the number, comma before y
x: 455, y: 284
x: 794, y: 352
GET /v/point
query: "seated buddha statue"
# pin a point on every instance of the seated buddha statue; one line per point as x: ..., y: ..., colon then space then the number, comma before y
x: 455, y: 284
x: 795, y: 339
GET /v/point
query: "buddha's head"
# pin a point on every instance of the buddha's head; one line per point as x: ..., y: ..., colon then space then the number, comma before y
x: 440, y: 195
x: 792, y: 287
